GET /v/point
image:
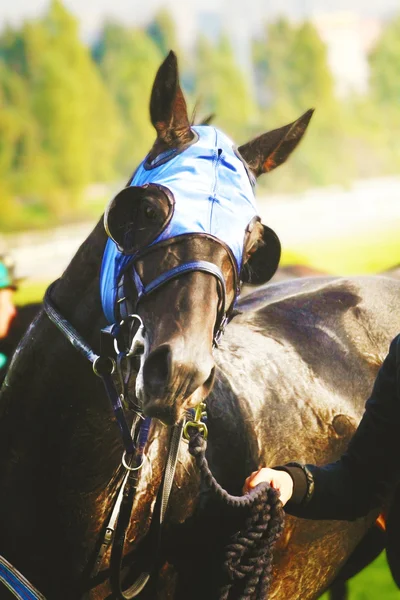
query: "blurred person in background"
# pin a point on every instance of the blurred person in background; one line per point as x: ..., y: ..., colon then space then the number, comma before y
x: 8, y: 311
x: 14, y: 320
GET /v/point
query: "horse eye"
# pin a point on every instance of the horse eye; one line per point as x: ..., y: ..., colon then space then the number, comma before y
x: 150, y: 213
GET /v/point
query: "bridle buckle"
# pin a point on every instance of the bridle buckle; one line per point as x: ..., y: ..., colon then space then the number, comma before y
x: 221, y: 330
x: 136, y: 341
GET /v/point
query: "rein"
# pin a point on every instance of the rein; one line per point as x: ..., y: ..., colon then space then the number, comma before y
x: 125, y: 305
x: 16, y: 583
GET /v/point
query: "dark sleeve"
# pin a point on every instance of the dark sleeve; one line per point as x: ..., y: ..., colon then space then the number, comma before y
x: 349, y: 488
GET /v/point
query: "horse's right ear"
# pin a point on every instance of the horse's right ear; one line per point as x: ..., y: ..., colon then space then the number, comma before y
x: 168, y: 111
x: 271, y: 149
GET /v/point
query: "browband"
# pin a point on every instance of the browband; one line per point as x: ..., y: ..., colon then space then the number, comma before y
x: 198, y: 265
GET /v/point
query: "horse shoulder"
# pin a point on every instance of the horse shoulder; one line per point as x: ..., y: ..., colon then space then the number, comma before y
x: 301, y: 362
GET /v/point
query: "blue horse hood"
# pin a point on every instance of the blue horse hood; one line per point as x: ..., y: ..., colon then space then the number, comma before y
x: 213, y: 194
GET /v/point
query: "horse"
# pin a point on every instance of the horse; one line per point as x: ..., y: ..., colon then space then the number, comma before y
x: 288, y: 380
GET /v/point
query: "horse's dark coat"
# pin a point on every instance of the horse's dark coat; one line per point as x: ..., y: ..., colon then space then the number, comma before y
x: 291, y: 378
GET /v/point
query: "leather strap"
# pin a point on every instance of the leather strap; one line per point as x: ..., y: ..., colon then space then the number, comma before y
x: 66, y: 328
x: 102, y: 366
x: 190, y: 267
x: 154, y: 535
x: 16, y: 583
x: 121, y: 514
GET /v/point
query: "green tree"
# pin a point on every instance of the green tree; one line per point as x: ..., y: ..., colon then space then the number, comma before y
x: 384, y: 114
x: 292, y: 75
x: 292, y: 67
x: 22, y: 160
x: 222, y: 88
x: 162, y: 31
x: 69, y: 103
x: 271, y: 62
x: 385, y: 67
x: 128, y: 60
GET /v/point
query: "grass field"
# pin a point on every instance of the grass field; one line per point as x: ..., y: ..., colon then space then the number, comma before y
x: 373, y: 251
x: 360, y: 254
x: 30, y: 291
x: 374, y: 583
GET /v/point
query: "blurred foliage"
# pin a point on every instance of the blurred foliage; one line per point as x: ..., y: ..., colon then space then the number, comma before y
x: 330, y: 257
x: 221, y: 87
x: 30, y: 292
x: 128, y: 61
x: 163, y: 33
x: 293, y: 75
x: 385, y: 66
x: 68, y: 131
x: 72, y: 115
x: 291, y: 67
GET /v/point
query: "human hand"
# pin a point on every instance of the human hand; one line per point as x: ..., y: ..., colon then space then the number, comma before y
x: 279, y: 480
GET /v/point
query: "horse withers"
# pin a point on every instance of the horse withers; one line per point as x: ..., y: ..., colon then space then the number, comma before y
x: 288, y: 380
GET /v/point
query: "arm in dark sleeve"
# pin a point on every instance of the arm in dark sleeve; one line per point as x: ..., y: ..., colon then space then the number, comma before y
x: 349, y: 488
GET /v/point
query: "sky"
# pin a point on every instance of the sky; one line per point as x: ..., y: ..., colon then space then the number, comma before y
x: 92, y: 13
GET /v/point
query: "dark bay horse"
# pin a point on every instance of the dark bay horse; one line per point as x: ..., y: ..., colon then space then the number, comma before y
x: 289, y: 381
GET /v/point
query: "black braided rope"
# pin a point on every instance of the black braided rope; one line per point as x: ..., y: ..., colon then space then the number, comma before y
x: 249, y: 553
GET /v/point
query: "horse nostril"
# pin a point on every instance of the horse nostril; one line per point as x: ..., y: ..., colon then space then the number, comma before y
x: 157, y: 369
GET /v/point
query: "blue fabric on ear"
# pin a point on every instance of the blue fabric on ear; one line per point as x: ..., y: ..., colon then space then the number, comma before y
x: 213, y: 194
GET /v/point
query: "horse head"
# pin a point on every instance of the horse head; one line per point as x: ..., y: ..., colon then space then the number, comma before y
x: 184, y: 234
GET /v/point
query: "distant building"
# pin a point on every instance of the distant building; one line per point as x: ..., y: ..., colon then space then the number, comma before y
x: 349, y: 38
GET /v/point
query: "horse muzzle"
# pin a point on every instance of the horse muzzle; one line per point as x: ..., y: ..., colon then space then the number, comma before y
x: 172, y: 383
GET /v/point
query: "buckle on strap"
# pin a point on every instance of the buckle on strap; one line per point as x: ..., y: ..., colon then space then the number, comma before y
x: 136, y: 341
x: 197, y: 422
x: 221, y: 330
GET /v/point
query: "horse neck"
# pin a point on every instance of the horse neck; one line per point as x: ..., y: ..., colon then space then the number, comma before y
x: 57, y: 437
x: 76, y: 296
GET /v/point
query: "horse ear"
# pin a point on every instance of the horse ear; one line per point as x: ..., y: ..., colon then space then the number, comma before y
x: 168, y: 111
x: 271, y: 149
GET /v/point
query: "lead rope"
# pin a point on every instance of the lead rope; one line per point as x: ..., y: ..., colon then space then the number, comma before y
x: 249, y: 553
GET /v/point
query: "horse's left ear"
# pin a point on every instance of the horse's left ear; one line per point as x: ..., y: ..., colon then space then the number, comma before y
x: 264, y: 261
x: 272, y: 149
x: 168, y: 111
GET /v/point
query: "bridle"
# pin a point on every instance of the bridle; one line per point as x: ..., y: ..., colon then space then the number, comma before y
x: 107, y: 368
x: 126, y: 303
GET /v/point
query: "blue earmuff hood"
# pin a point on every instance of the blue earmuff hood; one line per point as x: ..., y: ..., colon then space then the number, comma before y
x: 213, y: 194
